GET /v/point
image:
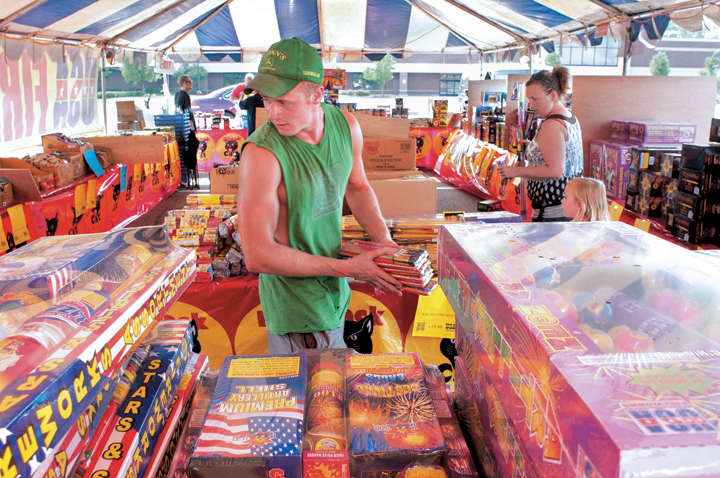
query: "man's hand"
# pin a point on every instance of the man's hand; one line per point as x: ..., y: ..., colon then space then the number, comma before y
x: 363, y: 268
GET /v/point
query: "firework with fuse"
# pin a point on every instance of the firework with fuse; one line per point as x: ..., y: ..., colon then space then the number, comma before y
x: 391, y: 414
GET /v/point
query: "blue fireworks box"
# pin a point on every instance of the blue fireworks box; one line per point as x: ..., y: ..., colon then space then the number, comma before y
x: 255, y: 422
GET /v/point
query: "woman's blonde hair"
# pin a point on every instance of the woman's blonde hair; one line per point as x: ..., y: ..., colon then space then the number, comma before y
x: 593, y: 202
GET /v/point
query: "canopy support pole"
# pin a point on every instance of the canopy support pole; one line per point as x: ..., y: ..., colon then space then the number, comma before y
x: 104, y: 96
x: 626, y: 53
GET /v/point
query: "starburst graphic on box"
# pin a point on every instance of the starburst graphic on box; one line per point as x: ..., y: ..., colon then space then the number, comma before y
x: 261, y: 438
x: 325, y: 417
x: 413, y: 407
x: 365, y: 413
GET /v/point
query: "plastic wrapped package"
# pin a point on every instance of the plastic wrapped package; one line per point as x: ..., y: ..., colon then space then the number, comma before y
x: 106, y: 292
x: 255, y: 420
x: 392, y: 417
x: 603, y: 335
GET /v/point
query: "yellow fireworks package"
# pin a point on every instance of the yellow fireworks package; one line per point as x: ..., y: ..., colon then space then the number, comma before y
x: 392, y: 417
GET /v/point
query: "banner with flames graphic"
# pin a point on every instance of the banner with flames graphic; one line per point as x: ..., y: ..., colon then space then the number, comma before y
x: 46, y: 88
x: 228, y: 320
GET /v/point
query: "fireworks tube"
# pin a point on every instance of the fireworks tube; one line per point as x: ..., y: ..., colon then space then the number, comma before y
x: 325, y: 422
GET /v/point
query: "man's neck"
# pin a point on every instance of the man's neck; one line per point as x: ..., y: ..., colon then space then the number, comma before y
x: 314, y: 132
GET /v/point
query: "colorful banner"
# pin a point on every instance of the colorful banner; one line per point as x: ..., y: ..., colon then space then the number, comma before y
x: 45, y: 89
x: 59, y: 212
x: 228, y: 320
x: 217, y: 146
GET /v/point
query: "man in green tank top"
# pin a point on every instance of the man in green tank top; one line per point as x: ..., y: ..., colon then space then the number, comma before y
x: 294, y: 172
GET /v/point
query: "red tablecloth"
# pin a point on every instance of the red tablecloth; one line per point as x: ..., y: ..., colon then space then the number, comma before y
x: 217, y: 146
x: 56, y: 213
x: 229, y: 321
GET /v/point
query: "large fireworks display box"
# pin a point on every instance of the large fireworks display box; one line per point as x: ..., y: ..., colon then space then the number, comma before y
x: 392, y: 417
x: 255, y: 422
x: 87, y: 302
x: 128, y: 448
x: 597, y: 341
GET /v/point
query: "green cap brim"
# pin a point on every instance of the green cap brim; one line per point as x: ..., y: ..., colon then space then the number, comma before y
x: 271, y: 85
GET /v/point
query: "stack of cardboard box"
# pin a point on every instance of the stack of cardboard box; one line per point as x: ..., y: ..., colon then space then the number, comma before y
x: 389, y: 159
x: 130, y: 117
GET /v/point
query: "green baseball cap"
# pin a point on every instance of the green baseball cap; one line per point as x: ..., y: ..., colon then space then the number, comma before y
x: 284, y: 66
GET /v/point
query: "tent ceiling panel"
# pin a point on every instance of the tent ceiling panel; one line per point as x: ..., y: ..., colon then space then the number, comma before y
x: 339, y: 26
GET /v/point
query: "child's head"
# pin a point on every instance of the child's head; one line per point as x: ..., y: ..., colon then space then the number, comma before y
x: 585, y: 200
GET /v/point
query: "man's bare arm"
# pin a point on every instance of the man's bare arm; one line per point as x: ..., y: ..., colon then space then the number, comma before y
x: 258, y: 216
x: 360, y: 196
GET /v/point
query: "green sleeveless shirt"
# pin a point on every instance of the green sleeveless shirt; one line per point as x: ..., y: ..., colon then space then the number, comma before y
x: 315, y: 178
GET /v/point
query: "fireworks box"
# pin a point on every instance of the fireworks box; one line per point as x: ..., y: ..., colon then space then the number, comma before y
x: 128, y: 449
x: 489, y: 205
x: 391, y: 415
x: 618, y: 130
x: 596, y: 158
x: 700, y: 156
x: 670, y: 164
x: 650, y: 206
x: 649, y: 157
x: 615, y: 165
x: 191, y: 432
x: 598, y: 355
x: 255, y: 422
x: 697, y: 182
x: 657, y: 132
x: 176, y: 416
x: 652, y: 184
x: 631, y: 200
x: 224, y: 180
x: 691, y: 206
x: 30, y: 371
x: 693, y: 231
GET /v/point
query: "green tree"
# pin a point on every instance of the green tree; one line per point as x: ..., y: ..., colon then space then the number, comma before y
x: 380, y: 73
x: 191, y: 70
x: 138, y: 74
x: 712, y: 65
x: 659, y: 65
x: 553, y: 59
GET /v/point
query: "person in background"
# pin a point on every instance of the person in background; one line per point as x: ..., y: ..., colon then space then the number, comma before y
x: 237, y: 95
x: 294, y: 172
x: 585, y: 200
x: 250, y: 103
x: 188, y: 148
x: 555, y: 155
x: 237, y: 92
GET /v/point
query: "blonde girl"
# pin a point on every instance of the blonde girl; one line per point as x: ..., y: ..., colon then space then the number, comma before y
x: 585, y: 200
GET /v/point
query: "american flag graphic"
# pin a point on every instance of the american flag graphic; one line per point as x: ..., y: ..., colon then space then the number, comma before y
x: 274, y: 433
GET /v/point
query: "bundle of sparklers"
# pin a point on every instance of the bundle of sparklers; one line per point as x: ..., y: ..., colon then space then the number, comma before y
x: 411, y: 267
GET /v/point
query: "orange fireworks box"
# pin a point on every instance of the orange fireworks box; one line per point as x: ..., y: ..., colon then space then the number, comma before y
x: 602, y: 358
x: 392, y: 417
x: 255, y: 422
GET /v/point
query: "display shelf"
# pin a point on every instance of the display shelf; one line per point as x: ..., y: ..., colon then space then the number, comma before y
x: 599, y: 340
x: 83, y: 304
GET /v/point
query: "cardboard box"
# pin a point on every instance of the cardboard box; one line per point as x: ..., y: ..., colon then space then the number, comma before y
x: 6, y: 192
x: 27, y: 180
x: 224, y: 180
x: 660, y: 132
x: 394, y: 154
x: 135, y: 149
x: 51, y: 143
x: 131, y: 125
x: 398, y: 196
x: 126, y: 111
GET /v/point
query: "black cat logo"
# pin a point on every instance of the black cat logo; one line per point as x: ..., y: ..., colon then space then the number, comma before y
x: 116, y: 192
x: 503, y: 186
x: 155, y: 178
x: 447, y: 348
x: 194, y: 330
x: 95, y: 218
x: 419, y: 142
x: 168, y: 173
x: 11, y: 242
x: 128, y: 190
x: 358, y: 334
x: 143, y: 177
x: 75, y: 222
x: 202, y: 147
x: 230, y: 146
x: 52, y: 225
x: 443, y: 140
